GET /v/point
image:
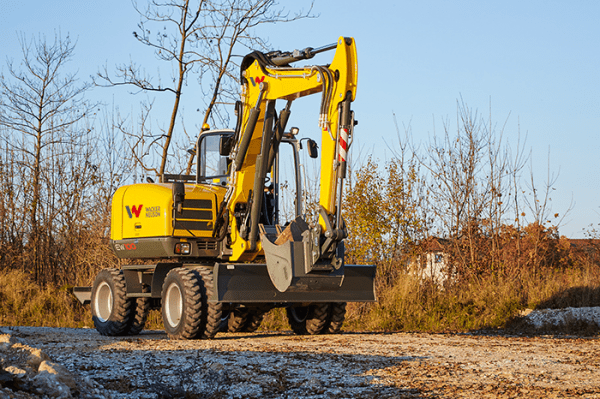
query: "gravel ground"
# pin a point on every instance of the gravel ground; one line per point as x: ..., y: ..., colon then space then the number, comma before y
x: 351, y: 365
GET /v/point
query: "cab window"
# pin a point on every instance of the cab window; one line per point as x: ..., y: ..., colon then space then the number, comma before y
x: 212, y: 166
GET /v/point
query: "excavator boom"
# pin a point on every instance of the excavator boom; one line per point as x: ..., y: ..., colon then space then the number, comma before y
x: 265, y: 79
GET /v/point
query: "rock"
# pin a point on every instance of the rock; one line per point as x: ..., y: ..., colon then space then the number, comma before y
x: 36, y: 357
x: 6, y: 341
x: 29, y: 372
x: 217, y: 367
x: 5, y: 377
x: 313, y: 383
x: 62, y: 374
x: 46, y: 383
x: 18, y: 372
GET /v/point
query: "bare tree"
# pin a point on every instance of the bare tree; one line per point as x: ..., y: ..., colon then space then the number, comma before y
x: 116, y: 166
x: 194, y: 37
x: 471, y: 179
x: 40, y: 110
x: 539, y: 200
x: 454, y: 164
x: 12, y: 222
x: 475, y: 192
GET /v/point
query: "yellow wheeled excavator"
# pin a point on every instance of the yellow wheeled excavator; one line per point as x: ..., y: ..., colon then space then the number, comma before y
x: 224, y: 259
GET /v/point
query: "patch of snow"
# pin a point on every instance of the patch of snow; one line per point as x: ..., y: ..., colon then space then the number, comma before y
x: 556, y: 317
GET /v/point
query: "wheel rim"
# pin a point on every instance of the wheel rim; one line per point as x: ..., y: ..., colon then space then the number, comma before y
x: 174, y: 305
x: 103, y: 302
x: 225, y: 317
x: 299, y: 314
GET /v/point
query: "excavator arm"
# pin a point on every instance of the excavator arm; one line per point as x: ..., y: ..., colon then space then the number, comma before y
x: 265, y: 79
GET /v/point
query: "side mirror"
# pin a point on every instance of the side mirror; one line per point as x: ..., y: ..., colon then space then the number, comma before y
x: 225, y: 144
x: 312, y: 149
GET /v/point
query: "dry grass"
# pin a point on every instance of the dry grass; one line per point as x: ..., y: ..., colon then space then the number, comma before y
x: 24, y: 303
x: 406, y: 305
x: 154, y: 321
x: 275, y: 320
x: 479, y: 303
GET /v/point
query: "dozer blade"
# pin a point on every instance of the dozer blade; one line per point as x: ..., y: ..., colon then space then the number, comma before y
x: 83, y: 294
x: 250, y: 283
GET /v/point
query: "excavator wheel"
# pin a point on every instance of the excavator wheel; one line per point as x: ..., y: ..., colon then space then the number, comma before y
x: 234, y: 320
x: 111, y: 309
x: 253, y: 321
x: 335, y: 319
x: 242, y: 320
x: 308, y: 320
x: 140, y: 311
x: 183, y: 295
x: 211, y: 312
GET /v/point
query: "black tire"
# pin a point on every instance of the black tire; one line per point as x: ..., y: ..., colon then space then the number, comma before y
x: 234, y: 321
x: 308, y: 320
x: 182, y: 300
x: 242, y: 320
x: 336, y: 317
x: 253, y: 321
x: 224, y: 326
x: 140, y: 311
x: 212, y: 312
x: 111, y: 309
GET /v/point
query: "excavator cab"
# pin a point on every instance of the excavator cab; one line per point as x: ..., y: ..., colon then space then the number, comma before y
x: 282, y: 198
x: 213, y: 165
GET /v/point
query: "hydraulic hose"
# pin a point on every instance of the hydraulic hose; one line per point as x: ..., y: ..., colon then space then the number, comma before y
x: 250, y: 126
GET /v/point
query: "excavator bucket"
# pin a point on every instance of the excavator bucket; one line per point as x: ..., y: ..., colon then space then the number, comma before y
x: 288, y: 265
x: 292, y: 264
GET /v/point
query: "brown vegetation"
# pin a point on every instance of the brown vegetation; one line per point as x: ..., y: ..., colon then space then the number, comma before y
x: 465, y: 190
x: 25, y: 303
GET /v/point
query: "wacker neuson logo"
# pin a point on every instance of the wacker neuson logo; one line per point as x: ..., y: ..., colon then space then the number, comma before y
x: 134, y: 211
x: 151, y: 212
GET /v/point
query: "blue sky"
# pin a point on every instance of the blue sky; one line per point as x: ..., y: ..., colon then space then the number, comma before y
x: 536, y: 62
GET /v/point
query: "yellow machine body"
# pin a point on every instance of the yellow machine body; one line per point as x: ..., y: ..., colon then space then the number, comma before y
x: 146, y: 210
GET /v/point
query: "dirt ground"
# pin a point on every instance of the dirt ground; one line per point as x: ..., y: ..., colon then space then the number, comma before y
x: 350, y: 365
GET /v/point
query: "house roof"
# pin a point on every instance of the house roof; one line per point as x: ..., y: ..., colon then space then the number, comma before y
x: 435, y: 244
x: 584, y: 244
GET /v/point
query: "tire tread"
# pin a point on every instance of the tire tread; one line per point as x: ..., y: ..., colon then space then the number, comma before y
x: 118, y: 322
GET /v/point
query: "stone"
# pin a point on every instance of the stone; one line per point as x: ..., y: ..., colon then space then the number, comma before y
x: 46, y: 383
x: 62, y: 374
x: 5, y: 341
x: 18, y: 372
x: 36, y: 357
